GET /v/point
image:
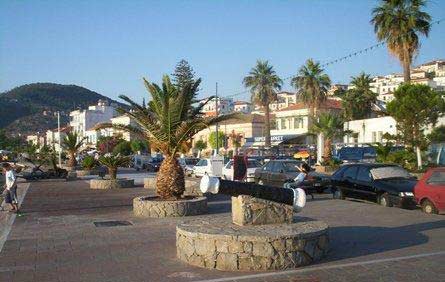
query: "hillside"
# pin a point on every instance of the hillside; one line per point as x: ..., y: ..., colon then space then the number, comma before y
x: 31, y: 108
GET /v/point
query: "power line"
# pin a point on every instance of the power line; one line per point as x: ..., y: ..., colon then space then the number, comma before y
x: 340, y: 59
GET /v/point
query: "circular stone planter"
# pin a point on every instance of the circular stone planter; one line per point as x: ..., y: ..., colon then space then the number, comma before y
x: 150, y: 183
x: 219, y: 244
x: 154, y: 207
x: 111, y: 184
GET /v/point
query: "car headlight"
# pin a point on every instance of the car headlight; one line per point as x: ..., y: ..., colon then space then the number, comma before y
x: 406, y: 194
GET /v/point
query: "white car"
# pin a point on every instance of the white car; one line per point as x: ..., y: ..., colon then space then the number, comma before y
x: 212, y: 167
x: 252, y: 165
x: 202, y: 168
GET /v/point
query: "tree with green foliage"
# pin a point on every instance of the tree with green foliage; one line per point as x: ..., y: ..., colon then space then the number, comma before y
x: 89, y: 162
x: 383, y: 150
x: 312, y: 85
x: 263, y: 83
x: 106, y: 144
x: 221, y: 139
x: 437, y: 135
x: 113, y: 162
x: 72, y: 142
x: 399, y: 23
x: 139, y: 146
x: 357, y: 102
x: 171, y: 118
x: 183, y: 75
x: 415, y: 107
x: 123, y: 148
x: 200, y: 145
x: 330, y: 126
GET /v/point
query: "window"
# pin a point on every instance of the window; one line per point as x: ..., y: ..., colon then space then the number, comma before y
x: 298, y: 122
x: 283, y: 123
x: 364, y: 174
x: 374, y: 137
x: 278, y: 166
x: 202, y: 163
x: 350, y: 172
x: 437, y: 178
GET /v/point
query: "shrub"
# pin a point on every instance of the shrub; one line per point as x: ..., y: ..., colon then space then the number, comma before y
x: 404, y: 158
x: 89, y: 163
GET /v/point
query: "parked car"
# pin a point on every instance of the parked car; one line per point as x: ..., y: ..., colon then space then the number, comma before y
x: 187, y: 165
x: 154, y: 164
x: 204, y: 166
x: 277, y: 172
x: 140, y: 162
x: 252, y: 165
x: 430, y: 191
x: 389, y: 185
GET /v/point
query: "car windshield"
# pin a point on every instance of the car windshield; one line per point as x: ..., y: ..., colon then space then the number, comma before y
x: 387, y: 172
x: 291, y: 166
x: 253, y: 164
x: 201, y: 163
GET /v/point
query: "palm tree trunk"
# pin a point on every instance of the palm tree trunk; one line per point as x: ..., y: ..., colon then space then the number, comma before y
x: 267, y: 125
x: 170, y: 179
x: 72, y: 161
x: 327, y: 149
x: 406, y: 67
x: 112, y: 172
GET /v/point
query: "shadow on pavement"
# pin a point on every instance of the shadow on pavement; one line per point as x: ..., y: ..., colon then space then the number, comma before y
x: 355, y: 241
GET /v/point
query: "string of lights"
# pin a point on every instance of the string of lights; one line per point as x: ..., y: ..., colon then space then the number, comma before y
x: 338, y: 60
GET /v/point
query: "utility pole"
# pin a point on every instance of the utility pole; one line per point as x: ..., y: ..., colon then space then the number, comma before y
x: 216, y: 125
x: 58, y: 131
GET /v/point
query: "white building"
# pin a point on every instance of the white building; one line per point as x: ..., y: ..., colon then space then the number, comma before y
x: 293, y: 122
x: 370, y: 130
x: 431, y: 74
x: 284, y: 100
x: 225, y: 105
x: 53, y: 137
x: 124, y: 120
x: 84, y: 120
x: 242, y: 107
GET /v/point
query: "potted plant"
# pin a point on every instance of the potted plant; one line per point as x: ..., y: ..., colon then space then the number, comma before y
x: 72, y: 143
x: 112, y: 162
x: 88, y: 166
x: 171, y: 118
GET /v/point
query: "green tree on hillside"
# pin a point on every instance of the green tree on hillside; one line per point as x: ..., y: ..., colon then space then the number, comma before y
x: 415, y: 107
x: 221, y: 139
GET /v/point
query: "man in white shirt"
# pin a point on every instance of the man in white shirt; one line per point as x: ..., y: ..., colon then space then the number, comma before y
x: 10, y: 187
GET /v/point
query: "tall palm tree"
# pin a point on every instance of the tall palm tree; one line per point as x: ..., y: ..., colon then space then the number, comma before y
x: 263, y: 83
x: 330, y: 126
x: 357, y: 102
x: 312, y: 85
x: 171, y: 118
x: 398, y: 22
x: 72, y: 143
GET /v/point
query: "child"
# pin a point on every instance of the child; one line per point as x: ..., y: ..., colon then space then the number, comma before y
x: 10, y: 188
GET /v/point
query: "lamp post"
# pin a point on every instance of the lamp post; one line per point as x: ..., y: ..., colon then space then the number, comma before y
x: 60, y: 145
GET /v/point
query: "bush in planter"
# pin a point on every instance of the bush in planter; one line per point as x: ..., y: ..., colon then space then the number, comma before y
x: 72, y: 143
x: 171, y: 118
x: 89, y: 163
x: 113, y: 162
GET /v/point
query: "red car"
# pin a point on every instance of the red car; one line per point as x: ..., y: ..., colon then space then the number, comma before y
x: 430, y: 191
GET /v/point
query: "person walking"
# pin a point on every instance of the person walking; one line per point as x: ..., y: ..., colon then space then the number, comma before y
x: 10, y: 188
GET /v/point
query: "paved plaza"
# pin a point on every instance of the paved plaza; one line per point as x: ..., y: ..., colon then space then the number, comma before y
x: 57, y: 240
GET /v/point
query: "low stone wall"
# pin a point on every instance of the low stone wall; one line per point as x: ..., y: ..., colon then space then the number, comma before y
x: 249, y: 210
x: 219, y: 244
x: 86, y: 172
x: 111, y: 184
x: 154, y: 207
x: 150, y: 183
x: 71, y: 176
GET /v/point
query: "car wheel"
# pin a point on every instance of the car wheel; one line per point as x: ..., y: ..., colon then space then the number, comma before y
x: 338, y: 194
x: 428, y: 207
x: 384, y: 200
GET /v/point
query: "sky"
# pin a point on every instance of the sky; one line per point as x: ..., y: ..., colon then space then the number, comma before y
x: 108, y: 46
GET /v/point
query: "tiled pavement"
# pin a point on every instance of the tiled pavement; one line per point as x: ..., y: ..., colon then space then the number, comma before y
x: 56, y: 240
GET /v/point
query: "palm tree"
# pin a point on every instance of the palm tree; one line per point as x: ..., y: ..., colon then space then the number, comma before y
x: 330, y: 126
x: 312, y: 85
x: 357, y: 102
x: 72, y: 143
x: 398, y: 22
x: 170, y: 119
x: 113, y: 162
x: 263, y: 83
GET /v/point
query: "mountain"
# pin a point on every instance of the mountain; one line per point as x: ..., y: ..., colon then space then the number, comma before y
x: 32, y: 107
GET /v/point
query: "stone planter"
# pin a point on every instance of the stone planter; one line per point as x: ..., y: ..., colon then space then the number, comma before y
x: 71, y: 176
x: 86, y: 172
x: 154, y: 207
x: 150, y: 183
x: 111, y: 184
x: 217, y: 243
